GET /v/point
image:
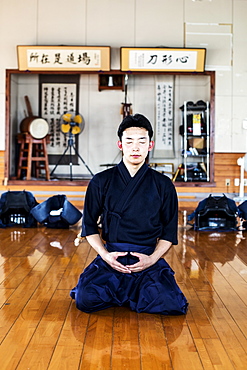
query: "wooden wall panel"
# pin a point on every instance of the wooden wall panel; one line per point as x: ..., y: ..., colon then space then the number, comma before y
x: 1, y: 166
x: 226, y: 167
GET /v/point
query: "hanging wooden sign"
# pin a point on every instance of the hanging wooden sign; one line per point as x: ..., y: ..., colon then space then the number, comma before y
x: 163, y: 59
x: 63, y: 58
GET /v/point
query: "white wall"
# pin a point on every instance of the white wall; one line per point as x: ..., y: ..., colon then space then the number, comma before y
x: 218, y: 25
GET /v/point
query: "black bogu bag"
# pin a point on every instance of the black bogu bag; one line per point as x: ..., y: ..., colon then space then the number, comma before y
x: 15, y: 209
x: 56, y: 213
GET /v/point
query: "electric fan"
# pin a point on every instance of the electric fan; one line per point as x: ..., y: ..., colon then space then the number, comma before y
x: 71, y: 124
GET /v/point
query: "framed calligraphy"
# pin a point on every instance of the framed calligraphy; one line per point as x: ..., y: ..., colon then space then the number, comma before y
x: 63, y: 58
x: 163, y: 59
x: 57, y: 95
x: 164, y: 130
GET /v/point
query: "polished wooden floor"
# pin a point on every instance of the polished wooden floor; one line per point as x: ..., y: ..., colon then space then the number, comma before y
x: 40, y: 328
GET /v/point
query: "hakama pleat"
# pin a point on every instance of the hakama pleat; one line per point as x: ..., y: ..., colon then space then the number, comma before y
x: 153, y: 290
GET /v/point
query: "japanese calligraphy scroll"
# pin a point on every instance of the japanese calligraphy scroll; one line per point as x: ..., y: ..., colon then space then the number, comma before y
x: 56, y: 98
x: 164, y: 131
x: 162, y: 59
x: 63, y: 58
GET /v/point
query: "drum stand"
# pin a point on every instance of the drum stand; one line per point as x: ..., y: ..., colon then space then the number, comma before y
x: 69, y: 147
x: 33, y: 153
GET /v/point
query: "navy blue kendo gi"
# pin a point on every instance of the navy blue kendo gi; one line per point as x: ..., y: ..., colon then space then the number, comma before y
x: 135, y: 213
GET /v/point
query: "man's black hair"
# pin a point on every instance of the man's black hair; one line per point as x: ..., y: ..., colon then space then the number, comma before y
x: 137, y: 120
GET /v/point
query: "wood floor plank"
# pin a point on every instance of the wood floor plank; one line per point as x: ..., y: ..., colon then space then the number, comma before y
x: 200, y: 317
x: 17, y: 275
x: 8, y: 267
x: 78, y: 262
x: 40, y: 349
x: 217, y: 354
x: 57, y: 243
x: 180, y: 342
x: 8, y: 247
x: 68, y: 351
x: 2, y: 258
x: 125, y: 347
x: 20, y: 297
x: 209, y: 354
x: 20, y: 334
x: 233, y: 348
x: 235, y: 280
x: 153, y: 345
x: 205, y: 359
x: 4, y: 295
x: 229, y: 333
x: 232, y: 301
x: 28, y: 242
x: 98, y: 341
x: 242, y: 252
x: 193, y: 270
x: 240, y: 267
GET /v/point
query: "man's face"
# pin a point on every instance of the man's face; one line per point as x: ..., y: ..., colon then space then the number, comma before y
x: 135, y: 145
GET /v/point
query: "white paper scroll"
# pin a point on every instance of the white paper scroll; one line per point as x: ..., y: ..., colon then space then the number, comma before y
x: 164, y: 135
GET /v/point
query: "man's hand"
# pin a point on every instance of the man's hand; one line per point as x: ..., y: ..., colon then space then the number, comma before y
x: 144, y: 262
x: 111, y: 259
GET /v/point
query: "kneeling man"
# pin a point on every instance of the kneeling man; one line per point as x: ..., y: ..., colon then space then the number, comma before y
x: 139, y: 213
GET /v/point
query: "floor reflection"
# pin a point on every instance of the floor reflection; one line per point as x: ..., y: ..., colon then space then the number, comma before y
x: 204, y: 254
x: 124, y: 333
x: 24, y: 242
x: 213, y: 246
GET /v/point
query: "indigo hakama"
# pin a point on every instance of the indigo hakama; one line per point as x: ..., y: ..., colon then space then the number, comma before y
x: 135, y: 212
